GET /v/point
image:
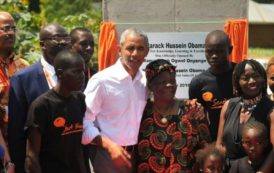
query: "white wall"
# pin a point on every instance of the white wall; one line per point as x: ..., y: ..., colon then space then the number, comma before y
x: 173, y: 15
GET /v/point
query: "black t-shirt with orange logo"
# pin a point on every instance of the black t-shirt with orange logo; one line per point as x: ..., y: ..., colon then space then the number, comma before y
x: 212, y: 91
x: 59, y: 120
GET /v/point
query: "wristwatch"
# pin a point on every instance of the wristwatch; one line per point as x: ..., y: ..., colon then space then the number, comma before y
x: 9, y: 164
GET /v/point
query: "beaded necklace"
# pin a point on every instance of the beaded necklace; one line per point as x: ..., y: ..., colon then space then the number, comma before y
x: 250, y: 104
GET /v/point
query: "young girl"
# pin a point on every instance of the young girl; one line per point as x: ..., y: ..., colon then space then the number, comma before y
x: 254, y: 142
x: 210, y: 159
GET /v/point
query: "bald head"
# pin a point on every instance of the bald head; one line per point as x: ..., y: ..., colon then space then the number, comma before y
x: 69, y: 67
x: 217, y: 37
x: 217, y: 50
x: 5, y: 16
x: 7, y: 33
x: 67, y: 59
x: 51, y: 29
x: 53, y: 39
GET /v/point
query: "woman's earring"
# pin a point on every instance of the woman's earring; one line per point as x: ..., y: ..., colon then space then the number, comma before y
x: 235, y: 92
x: 151, y: 96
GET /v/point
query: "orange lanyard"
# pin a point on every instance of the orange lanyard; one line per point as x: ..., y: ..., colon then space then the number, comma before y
x: 48, y: 78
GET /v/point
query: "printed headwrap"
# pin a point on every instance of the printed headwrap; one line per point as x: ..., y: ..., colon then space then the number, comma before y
x: 154, y: 68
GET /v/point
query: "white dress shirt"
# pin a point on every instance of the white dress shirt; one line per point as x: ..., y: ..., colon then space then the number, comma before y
x: 115, y: 104
x: 49, y: 73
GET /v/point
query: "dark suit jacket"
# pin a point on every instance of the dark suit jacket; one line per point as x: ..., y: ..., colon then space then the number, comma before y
x: 25, y: 86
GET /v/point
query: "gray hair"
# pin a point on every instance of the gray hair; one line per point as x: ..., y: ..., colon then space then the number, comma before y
x: 135, y: 32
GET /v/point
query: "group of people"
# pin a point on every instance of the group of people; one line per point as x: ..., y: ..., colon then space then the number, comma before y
x: 21, y: 85
x: 65, y: 117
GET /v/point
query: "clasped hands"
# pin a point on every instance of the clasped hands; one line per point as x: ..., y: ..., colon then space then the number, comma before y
x: 194, y: 109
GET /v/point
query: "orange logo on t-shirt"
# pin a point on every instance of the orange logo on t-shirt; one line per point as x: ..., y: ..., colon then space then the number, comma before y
x: 67, y: 128
x: 59, y: 122
x: 72, y: 128
x: 207, y: 96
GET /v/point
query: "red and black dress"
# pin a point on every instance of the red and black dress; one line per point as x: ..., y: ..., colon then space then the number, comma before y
x: 169, y: 146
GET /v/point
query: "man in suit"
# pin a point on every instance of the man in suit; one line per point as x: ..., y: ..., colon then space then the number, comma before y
x: 30, y: 83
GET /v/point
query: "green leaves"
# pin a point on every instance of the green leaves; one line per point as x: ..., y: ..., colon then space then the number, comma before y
x: 68, y: 13
x: 25, y: 16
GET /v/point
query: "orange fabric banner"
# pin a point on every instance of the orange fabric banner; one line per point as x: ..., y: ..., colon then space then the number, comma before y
x: 107, y: 53
x: 237, y: 30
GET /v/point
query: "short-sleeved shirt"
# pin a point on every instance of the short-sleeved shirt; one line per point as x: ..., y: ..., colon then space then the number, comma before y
x: 7, y: 69
x: 212, y: 91
x: 59, y: 121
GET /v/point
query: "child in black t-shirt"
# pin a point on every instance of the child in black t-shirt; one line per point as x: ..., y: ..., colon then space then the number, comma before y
x: 54, y: 124
x: 254, y: 142
x: 210, y: 159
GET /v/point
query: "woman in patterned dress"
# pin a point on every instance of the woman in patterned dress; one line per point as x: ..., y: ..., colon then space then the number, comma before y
x: 169, y: 134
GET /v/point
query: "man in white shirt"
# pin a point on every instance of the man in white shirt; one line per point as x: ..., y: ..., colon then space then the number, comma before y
x: 115, y: 99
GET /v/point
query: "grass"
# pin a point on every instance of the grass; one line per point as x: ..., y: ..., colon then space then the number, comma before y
x: 260, y: 53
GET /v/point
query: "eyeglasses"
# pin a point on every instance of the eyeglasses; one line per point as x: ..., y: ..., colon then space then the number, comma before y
x: 8, y: 28
x: 58, y: 39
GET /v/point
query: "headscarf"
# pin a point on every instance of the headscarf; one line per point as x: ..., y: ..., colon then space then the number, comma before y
x: 156, y: 67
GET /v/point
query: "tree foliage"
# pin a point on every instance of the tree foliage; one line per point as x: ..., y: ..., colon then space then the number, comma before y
x: 27, y: 25
x: 68, y: 13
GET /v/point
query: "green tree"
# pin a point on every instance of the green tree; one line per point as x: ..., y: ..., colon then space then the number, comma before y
x: 69, y: 13
x: 74, y: 13
x: 27, y: 24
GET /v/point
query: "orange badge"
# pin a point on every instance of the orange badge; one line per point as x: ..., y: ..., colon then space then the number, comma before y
x: 207, y: 96
x: 59, y: 122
